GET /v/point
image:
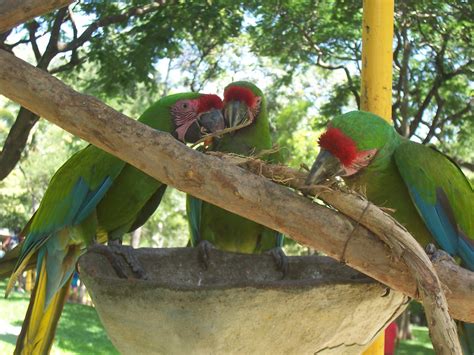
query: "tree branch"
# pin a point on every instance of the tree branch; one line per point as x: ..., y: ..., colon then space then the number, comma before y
x: 403, y: 84
x: 319, y: 53
x: 52, y: 47
x: 465, y: 164
x: 32, y: 28
x: 137, y: 11
x: 16, y: 141
x: 14, y: 12
x: 435, y: 122
x: 73, y: 62
x: 353, y: 89
x: 227, y: 186
x: 441, y: 77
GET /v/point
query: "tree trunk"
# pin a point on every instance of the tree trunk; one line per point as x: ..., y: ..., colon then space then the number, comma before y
x: 404, y: 329
x: 16, y: 141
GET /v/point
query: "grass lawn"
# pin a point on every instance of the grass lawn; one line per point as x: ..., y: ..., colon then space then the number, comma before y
x: 79, y: 330
x: 419, y: 345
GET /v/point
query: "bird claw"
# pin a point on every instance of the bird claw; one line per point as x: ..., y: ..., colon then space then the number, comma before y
x: 128, y: 259
x: 438, y: 255
x: 204, y: 253
x: 117, y: 263
x: 128, y: 254
x: 280, y: 259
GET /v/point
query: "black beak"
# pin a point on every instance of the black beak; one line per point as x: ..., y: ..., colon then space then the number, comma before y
x: 236, y: 113
x: 325, y: 167
x: 208, y: 122
x: 211, y: 121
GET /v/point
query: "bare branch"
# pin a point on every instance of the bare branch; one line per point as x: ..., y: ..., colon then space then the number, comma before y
x: 403, y: 84
x: 73, y: 62
x: 435, y: 122
x: 52, y: 47
x: 32, y: 27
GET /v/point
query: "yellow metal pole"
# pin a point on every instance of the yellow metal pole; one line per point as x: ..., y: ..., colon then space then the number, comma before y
x: 377, y: 37
x: 376, y: 88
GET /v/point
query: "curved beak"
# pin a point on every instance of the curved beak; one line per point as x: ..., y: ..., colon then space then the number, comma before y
x: 208, y: 122
x: 211, y: 121
x: 325, y: 167
x: 236, y: 113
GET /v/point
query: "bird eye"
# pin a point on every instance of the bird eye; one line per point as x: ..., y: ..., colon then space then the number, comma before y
x: 185, y: 105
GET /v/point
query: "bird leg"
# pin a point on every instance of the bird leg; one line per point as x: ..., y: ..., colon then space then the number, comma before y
x: 204, y: 253
x: 117, y: 263
x: 437, y: 255
x: 280, y: 259
x: 128, y: 254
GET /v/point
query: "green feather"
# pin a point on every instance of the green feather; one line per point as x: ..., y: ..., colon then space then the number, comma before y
x: 228, y: 231
x: 92, y: 194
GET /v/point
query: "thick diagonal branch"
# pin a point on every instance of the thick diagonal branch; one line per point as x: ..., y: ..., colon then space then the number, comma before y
x: 14, y: 12
x: 225, y: 185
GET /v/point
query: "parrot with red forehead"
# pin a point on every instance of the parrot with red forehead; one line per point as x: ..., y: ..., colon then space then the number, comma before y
x: 244, y: 105
x: 430, y: 194
x: 94, y: 196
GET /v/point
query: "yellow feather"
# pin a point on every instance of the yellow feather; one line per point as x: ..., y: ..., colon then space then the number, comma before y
x: 37, y: 332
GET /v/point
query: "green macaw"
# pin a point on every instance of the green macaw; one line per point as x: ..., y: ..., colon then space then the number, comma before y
x: 430, y: 194
x: 92, y: 196
x: 244, y: 103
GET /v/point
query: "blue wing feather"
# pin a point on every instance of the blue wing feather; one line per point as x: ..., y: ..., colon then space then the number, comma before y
x: 92, y: 199
x: 437, y: 222
x: 194, y: 209
x: 447, y: 219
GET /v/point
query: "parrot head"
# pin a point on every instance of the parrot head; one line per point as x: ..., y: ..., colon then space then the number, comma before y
x: 351, y: 143
x: 193, y: 118
x: 187, y: 116
x: 243, y: 102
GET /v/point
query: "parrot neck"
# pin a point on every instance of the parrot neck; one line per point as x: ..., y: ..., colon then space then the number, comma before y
x: 385, y: 154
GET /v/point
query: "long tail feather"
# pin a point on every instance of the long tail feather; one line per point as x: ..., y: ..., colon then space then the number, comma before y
x: 39, y: 326
x: 10, y: 260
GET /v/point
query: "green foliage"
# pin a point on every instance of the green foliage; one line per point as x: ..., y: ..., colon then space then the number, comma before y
x: 125, y: 54
x: 296, y: 139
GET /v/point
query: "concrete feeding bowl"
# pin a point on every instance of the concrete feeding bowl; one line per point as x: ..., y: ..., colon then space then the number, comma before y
x: 239, y: 305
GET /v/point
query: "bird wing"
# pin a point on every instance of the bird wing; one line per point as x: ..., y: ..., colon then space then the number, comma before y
x: 442, y: 195
x: 72, y: 194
